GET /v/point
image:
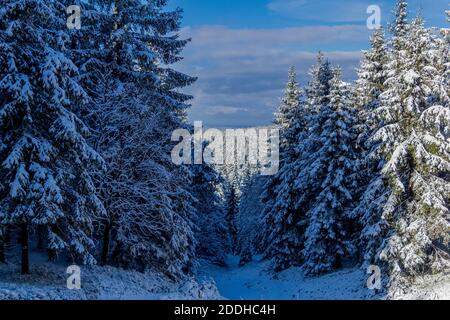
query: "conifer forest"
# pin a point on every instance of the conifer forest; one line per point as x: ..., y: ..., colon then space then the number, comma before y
x: 209, y: 150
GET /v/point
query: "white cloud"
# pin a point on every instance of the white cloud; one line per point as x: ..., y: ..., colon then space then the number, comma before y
x: 224, y: 110
x: 242, y: 72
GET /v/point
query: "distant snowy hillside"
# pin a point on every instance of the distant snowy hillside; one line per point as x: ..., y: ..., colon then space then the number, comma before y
x: 239, y: 174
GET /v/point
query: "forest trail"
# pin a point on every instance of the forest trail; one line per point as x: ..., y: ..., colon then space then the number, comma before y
x: 48, y: 281
x: 253, y: 282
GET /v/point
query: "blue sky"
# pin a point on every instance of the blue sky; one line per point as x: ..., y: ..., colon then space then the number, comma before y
x: 241, y: 49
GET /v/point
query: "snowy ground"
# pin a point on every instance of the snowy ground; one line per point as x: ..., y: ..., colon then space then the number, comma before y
x: 430, y: 288
x: 253, y: 282
x: 48, y: 282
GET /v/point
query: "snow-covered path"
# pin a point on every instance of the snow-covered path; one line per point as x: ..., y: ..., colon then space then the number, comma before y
x: 48, y: 281
x: 252, y: 282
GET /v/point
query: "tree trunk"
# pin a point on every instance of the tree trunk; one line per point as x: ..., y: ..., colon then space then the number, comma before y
x: 25, y: 250
x: 338, y: 262
x: 4, y: 242
x: 41, y: 239
x: 2, y: 250
x: 52, y: 255
x: 106, y: 244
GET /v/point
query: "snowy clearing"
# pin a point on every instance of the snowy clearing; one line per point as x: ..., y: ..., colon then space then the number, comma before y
x: 253, y: 282
x: 48, y: 281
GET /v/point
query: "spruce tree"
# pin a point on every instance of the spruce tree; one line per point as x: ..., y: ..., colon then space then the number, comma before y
x: 327, y: 234
x: 289, y: 194
x: 318, y: 91
x: 279, y: 194
x: 307, y: 180
x: 2, y: 246
x: 289, y: 118
x: 413, y: 187
x: 370, y: 84
x: 400, y: 24
x: 249, y: 222
x: 44, y: 155
x: 441, y: 61
x: 125, y: 50
x: 212, y: 225
x: 369, y: 87
x: 231, y: 213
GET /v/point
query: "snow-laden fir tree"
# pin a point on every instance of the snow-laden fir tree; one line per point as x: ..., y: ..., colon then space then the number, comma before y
x: 2, y: 245
x: 306, y: 182
x: 370, y: 84
x: 279, y: 240
x: 400, y: 25
x: 327, y: 235
x: 308, y: 142
x: 125, y: 51
x: 43, y: 152
x: 212, y: 228
x: 232, y: 208
x: 441, y: 60
x: 368, y: 88
x: 445, y: 55
x: 289, y: 118
x: 289, y: 194
x: 369, y: 207
x: 249, y: 218
x: 409, y: 210
x: 318, y: 91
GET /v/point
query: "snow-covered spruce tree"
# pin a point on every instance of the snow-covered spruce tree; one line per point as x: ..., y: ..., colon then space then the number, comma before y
x: 327, y: 234
x: 278, y: 240
x: 374, y: 195
x: 445, y: 56
x: 318, y: 91
x: 2, y: 245
x: 125, y: 50
x: 289, y: 194
x: 249, y: 218
x: 368, y: 88
x: 400, y: 25
x: 211, y: 229
x: 289, y: 117
x: 414, y: 155
x: 370, y: 84
x: 441, y: 61
x: 232, y: 208
x: 306, y: 183
x: 318, y: 99
x: 44, y: 156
